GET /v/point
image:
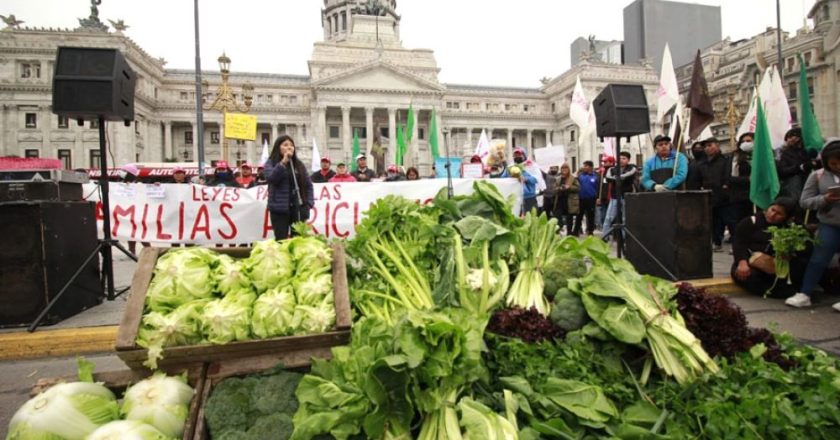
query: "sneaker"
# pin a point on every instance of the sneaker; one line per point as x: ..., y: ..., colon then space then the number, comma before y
x: 799, y: 300
x: 717, y: 248
x: 836, y: 306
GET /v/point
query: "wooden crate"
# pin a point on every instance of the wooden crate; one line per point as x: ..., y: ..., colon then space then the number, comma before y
x: 188, y: 355
x: 218, y: 371
x: 119, y: 381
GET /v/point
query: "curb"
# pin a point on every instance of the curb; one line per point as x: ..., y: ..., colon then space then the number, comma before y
x: 57, y: 343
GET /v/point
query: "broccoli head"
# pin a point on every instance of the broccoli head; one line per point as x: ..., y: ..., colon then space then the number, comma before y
x: 568, y: 311
x: 558, y: 274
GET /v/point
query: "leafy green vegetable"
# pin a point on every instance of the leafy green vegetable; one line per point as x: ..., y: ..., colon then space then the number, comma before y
x: 274, y: 313
x: 181, y: 276
x: 227, y: 319
x: 230, y: 275
x: 160, y: 401
x: 536, y: 250
x: 64, y: 411
x: 128, y: 430
x: 182, y: 326
x: 786, y: 242
x: 270, y: 265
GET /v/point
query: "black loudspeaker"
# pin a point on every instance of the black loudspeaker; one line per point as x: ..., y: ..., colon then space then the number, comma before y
x: 621, y: 110
x: 675, y: 226
x: 89, y: 83
x: 58, y: 191
x: 45, y: 243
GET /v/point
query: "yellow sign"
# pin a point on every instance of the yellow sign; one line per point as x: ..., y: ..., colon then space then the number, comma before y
x: 240, y: 126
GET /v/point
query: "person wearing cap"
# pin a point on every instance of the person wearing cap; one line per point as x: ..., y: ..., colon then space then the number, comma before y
x: 129, y: 173
x: 179, y: 175
x: 246, y: 177
x: 821, y: 195
x: 362, y: 173
x: 394, y: 174
x: 715, y: 173
x: 325, y: 173
x: 627, y: 179
x: 222, y: 176
x: 341, y: 174
x: 290, y: 191
x: 529, y: 182
x: 793, y: 165
x: 658, y: 172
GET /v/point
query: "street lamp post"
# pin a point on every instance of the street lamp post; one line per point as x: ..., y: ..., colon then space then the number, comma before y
x: 225, y: 100
x: 449, y: 190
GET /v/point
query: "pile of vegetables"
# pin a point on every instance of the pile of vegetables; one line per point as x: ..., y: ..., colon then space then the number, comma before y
x: 198, y: 296
x: 258, y: 406
x: 786, y: 242
x: 152, y: 409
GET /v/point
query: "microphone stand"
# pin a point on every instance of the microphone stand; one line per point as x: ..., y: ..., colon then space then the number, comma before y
x: 297, y: 201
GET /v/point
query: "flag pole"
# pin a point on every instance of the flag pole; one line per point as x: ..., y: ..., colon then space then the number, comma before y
x: 779, y: 35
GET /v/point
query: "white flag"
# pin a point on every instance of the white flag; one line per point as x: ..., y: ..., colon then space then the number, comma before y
x: 668, y: 94
x: 264, y: 154
x: 579, y: 109
x: 609, y: 147
x: 748, y: 124
x: 588, y: 133
x: 706, y: 133
x: 316, y: 157
x: 778, y: 111
x: 482, y: 149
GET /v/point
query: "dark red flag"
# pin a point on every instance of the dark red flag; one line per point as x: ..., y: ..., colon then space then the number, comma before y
x: 699, y: 101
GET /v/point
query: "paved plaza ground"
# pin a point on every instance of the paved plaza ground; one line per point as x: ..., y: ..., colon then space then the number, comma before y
x: 817, y: 326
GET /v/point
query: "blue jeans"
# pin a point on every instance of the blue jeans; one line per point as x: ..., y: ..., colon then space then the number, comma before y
x: 828, y: 242
x: 612, y: 209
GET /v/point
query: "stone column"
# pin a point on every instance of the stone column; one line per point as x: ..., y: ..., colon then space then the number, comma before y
x: 548, y: 138
x: 509, y: 146
x: 469, y: 140
x: 369, y: 129
x: 530, y: 145
x: 391, y: 156
x: 274, y: 134
x: 322, y: 128
x: 195, y: 141
x: 346, y: 133
x: 168, y: 146
x: 452, y: 148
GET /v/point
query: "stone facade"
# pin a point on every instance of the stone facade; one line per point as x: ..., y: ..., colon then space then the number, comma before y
x: 736, y: 67
x: 361, y: 79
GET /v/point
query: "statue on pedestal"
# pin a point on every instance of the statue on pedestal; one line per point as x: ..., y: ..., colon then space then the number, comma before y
x: 92, y: 23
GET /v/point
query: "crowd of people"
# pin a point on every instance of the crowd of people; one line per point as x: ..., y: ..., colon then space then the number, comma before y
x: 589, y: 201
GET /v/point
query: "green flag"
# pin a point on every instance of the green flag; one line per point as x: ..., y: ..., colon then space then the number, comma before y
x: 409, y: 129
x: 400, y: 146
x: 356, y: 151
x: 433, y: 137
x: 811, y: 134
x: 764, y: 181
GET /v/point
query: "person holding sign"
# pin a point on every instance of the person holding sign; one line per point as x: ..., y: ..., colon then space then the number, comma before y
x: 290, y: 191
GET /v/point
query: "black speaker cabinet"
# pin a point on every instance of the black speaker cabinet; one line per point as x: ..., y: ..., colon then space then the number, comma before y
x: 91, y: 82
x: 58, y: 191
x: 44, y: 243
x: 621, y: 110
x: 675, y: 226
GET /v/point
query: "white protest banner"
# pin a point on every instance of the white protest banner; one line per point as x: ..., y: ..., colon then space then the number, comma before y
x: 207, y: 215
x: 550, y: 156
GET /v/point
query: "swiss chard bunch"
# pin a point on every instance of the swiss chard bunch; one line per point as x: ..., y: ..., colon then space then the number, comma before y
x: 786, y: 242
x: 536, y: 249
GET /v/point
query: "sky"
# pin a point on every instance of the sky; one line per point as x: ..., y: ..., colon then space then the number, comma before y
x: 481, y: 42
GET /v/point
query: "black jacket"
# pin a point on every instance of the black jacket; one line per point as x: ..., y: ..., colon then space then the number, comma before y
x: 739, y: 186
x: 751, y: 236
x: 714, y: 176
x: 317, y: 177
x: 793, y: 162
x: 628, y: 180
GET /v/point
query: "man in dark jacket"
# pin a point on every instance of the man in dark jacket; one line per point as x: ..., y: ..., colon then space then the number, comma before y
x: 793, y: 165
x: 693, y: 181
x: 223, y: 176
x: 628, y: 180
x: 739, y: 182
x: 362, y: 173
x: 324, y: 174
x: 714, y: 176
x: 588, y: 194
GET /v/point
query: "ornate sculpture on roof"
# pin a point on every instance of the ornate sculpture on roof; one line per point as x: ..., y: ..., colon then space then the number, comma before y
x: 118, y: 25
x: 11, y: 21
x: 372, y: 7
x: 592, y: 54
x: 92, y: 23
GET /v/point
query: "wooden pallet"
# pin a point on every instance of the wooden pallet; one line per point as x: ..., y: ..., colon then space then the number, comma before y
x: 191, y: 355
x: 119, y: 381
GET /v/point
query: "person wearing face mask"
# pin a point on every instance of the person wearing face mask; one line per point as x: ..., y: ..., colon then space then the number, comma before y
x: 714, y: 176
x: 529, y: 182
x: 821, y: 194
x: 739, y: 180
x: 394, y: 174
x: 223, y: 176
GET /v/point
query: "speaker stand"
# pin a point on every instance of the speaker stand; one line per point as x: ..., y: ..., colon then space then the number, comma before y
x: 104, y: 245
x: 620, y: 228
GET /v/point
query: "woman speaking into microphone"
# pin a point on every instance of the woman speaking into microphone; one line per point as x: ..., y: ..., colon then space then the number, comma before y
x: 290, y: 192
